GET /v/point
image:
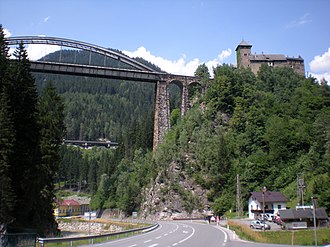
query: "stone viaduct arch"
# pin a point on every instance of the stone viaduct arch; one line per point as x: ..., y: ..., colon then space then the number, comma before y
x: 139, y: 72
x: 162, y: 105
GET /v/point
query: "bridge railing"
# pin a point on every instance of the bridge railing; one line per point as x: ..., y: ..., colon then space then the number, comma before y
x: 93, y: 239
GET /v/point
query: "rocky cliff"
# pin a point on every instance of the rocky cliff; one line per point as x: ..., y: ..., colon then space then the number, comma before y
x: 174, y: 195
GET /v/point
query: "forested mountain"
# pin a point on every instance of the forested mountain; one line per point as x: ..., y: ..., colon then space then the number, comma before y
x: 268, y: 128
x: 96, y: 108
x: 103, y: 108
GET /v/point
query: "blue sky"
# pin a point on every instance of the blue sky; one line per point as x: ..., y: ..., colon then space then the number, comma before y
x: 177, y: 35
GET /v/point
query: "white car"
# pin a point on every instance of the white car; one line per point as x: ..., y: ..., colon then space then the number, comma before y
x: 267, y: 217
x: 259, y: 224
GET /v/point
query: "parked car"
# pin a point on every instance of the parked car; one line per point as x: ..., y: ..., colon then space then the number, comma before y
x: 267, y: 217
x: 270, y: 217
x: 259, y: 224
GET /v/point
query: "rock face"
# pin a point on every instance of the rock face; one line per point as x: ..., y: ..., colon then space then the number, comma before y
x: 174, y: 196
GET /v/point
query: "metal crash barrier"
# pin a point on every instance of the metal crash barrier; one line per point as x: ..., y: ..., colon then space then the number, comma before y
x: 92, y: 239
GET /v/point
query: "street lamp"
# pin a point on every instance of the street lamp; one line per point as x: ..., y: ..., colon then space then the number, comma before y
x: 264, y: 189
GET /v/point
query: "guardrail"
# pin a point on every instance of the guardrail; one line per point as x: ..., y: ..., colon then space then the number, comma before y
x: 94, y: 238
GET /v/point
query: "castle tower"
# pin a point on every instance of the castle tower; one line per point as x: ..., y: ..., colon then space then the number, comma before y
x: 243, y: 52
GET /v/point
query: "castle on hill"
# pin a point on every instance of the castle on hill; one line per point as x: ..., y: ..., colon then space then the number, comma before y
x: 245, y: 59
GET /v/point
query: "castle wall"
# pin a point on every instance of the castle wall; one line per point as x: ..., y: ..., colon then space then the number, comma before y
x: 246, y: 60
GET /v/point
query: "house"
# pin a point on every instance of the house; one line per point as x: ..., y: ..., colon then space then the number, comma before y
x: 274, y: 201
x: 303, y: 217
x: 71, y: 207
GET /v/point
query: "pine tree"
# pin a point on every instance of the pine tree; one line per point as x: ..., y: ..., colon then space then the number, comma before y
x: 203, y: 73
x: 6, y: 156
x: 7, y: 198
x: 3, y: 57
x: 51, y: 123
x: 25, y: 170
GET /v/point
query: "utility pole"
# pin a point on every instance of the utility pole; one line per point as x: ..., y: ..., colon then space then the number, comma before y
x: 239, y: 206
x: 300, y: 189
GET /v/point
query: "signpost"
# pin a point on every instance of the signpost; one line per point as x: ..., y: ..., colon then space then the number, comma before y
x: 264, y: 189
x: 314, y: 217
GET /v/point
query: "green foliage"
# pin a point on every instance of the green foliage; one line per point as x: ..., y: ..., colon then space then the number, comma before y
x: 7, y: 138
x: 101, y: 195
x: 267, y: 128
x: 175, y: 115
x: 202, y: 72
x: 30, y: 136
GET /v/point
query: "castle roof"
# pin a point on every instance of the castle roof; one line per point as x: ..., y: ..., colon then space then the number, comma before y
x: 267, y: 57
x: 243, y: 44
x: 295, y: 58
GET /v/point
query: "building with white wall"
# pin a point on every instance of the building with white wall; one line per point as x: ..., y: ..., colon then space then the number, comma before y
x: 274, y: 201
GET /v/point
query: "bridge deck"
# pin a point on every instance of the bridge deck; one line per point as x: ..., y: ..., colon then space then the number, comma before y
x: 96, y: 71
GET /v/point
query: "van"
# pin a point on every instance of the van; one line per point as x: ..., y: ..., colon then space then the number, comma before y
x: 268, y: 217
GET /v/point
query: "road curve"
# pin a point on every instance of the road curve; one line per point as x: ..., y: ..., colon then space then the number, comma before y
x: 174, y: 233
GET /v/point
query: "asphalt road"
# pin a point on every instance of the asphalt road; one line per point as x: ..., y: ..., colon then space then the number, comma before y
x: 184, y: 234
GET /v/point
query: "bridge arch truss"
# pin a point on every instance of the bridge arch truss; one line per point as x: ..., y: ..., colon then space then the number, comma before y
x: 79, y: 45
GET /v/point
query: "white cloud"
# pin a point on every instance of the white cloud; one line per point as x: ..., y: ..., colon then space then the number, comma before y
x: 321, y: 63
x: 179, y: 66
x: 321, y: 76
x: 320, y: 66
x: 7, y: 32
x: 37, y: 51
x: 46, y: 18
x: 299, y: 22
x: 221, y: 57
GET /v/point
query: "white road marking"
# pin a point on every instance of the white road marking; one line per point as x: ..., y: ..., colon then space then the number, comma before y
x: 174, y: 244
x: 123, y: 239
x: 132, y: 245
x: 153, y: 245
x: 158, y: 237
x: 165, y: 234
x: 193, y: 232
x: 226, y: 235
x: 147, y: 241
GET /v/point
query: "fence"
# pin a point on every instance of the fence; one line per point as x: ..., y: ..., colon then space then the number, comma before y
x: 75, y: 241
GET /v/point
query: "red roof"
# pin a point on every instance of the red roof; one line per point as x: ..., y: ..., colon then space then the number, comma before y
x: 67, y: 202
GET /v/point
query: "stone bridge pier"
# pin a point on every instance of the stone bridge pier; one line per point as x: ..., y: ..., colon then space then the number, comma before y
x: 162, y: 103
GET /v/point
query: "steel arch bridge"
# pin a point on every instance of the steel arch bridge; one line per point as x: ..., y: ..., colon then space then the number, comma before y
x: 139, y: 72
x: 78, y: 45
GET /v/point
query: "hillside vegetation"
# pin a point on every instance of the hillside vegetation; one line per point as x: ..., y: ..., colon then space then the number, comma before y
x: 268, y: 128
